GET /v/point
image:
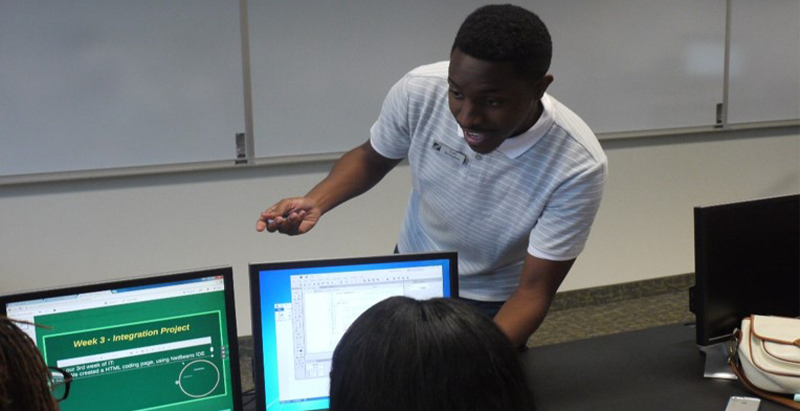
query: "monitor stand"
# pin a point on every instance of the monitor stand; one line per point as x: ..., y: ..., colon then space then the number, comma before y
x: 717, y: 362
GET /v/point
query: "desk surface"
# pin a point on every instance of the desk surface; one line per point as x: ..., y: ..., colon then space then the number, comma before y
x: 654, y: 369
x: 649, y: 370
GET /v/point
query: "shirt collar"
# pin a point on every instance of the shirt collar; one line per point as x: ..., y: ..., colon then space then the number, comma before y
x: 514, y: 147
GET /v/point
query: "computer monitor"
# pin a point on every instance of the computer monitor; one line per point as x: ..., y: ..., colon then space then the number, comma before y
x: 165, y: 342
x: 301, y: 309
x: 747, y: 261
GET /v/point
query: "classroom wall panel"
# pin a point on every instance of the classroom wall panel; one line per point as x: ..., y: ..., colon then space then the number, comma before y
x: 63, y: 233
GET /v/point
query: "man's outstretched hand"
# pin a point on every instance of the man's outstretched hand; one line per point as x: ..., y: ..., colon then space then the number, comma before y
x: 291, y: 216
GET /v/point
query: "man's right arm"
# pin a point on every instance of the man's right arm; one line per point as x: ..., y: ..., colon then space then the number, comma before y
x: 354, y: 173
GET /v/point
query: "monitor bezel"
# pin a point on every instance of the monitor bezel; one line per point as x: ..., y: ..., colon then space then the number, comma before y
x: 255, y: 296
x: 225, y: 272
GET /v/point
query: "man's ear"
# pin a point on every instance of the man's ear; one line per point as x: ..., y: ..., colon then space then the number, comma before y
x: 542, y: 85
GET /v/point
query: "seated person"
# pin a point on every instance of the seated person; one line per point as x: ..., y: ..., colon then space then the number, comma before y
x: 435, y: 355
x: 26, y: 383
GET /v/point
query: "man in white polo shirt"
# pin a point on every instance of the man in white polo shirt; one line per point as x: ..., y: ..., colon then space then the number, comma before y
x: 501, y: 172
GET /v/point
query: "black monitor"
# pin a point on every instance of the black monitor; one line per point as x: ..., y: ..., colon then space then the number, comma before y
x: 165, y: 342
x: 747, y: 261
x: 301, y: 309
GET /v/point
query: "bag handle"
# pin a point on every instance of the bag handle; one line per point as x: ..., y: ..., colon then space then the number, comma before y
x: 736, y: 367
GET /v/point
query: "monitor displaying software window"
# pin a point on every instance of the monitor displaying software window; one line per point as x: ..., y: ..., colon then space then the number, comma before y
x: 165, y: 342
x: 302, y: 309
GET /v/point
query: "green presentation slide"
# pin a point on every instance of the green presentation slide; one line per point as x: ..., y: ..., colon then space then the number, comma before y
x: 165, y: 355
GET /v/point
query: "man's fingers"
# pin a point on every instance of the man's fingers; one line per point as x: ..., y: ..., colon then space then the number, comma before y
x: 280, y: 217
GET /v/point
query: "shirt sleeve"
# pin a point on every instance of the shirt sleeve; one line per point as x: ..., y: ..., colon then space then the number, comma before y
x: 561, y: 231
x: 390, y: 135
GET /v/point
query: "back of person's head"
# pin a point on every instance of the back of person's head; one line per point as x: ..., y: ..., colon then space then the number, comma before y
x: 24, y: 377
x: 507, y: 33
x: 436, y: 355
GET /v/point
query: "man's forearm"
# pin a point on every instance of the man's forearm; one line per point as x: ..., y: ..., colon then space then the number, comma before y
x: 525, y: 310
x: 521, y: 316
x: 354, y: 173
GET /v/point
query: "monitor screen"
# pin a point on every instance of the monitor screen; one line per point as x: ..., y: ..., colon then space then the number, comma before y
x: 302, y: 309
x: 165, y: 342
x: 747, y: 261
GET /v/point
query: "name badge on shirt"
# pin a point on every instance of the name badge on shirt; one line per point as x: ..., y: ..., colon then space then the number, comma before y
x: 454, y: 154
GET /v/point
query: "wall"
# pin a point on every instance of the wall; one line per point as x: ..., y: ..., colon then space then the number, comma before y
x: 55, y: 234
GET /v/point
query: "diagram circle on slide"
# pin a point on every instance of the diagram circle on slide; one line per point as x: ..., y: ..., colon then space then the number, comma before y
x: 199, y: 378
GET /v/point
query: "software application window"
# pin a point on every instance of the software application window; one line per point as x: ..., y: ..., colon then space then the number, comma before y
x: 322, y: 308
x: 163, y: 347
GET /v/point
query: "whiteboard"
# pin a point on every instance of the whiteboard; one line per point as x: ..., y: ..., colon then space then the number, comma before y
x: 765, y: 61
x: 93, y: 84
x: 322, y: 68
x: 632, y: 65
x: 97, y: 84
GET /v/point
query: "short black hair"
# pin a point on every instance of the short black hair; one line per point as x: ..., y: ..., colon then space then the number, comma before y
x: 507, y: 33
x: 434, y: 355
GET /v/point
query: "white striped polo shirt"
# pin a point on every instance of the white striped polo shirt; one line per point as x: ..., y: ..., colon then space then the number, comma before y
x: 538, y: 193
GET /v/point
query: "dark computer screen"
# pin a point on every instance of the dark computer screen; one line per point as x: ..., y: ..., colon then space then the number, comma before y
x: 165, y: 342
x: 747, y: 261
x: 301, y: 310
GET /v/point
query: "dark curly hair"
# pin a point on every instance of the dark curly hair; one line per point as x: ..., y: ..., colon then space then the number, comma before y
x: 507, y: 33
x: 23, y: 374
x: 433, y: 355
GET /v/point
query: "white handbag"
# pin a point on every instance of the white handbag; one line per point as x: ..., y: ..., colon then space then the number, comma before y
x: 766, y: 357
